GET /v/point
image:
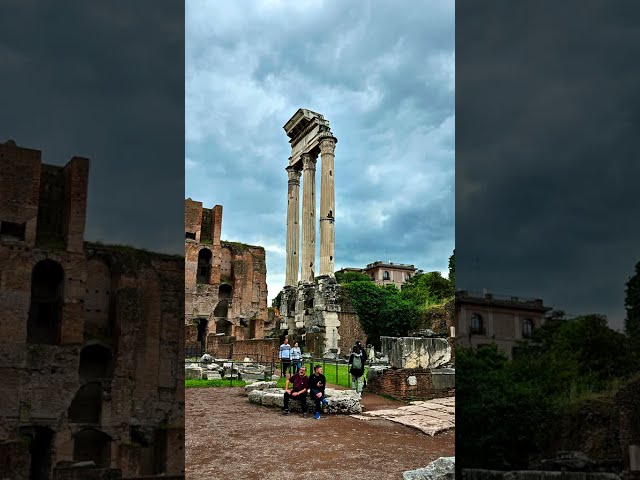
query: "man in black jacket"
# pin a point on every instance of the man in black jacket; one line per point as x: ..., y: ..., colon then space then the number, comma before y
x: 317, y: 383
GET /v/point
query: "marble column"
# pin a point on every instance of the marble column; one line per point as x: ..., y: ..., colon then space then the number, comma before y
x: 293, y: 226
x: 327, y: 207
x: 308, y: 217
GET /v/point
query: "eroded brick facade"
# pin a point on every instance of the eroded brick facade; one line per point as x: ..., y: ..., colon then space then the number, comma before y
x: 225, y: 282
x: 91, y: 336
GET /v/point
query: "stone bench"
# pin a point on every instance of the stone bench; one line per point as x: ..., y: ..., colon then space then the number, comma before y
x: 338, y: 401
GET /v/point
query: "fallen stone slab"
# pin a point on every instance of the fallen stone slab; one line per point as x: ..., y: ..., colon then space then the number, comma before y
x: 212, y: 376
x: 444, y: 468
x: 341, y: 401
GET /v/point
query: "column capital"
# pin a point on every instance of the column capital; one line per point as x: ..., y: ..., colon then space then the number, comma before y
x: 327, y: 143
x: 309, y: 161
x: 294, y: 175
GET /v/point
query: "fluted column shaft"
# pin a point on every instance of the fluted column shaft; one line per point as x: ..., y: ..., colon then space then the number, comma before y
x: 327, y: 207
x: 293, y: 226
x: 308, y: 217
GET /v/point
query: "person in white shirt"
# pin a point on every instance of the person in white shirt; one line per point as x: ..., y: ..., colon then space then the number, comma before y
x: 296, y: 356
x: 285, y: 357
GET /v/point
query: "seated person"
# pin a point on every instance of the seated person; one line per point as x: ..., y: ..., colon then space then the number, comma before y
x: 317, y: 382
x: 300, y: 383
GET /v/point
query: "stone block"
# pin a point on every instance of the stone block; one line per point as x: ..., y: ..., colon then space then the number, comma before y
x: 193, y: 373
x: 416, y: 352
x: 443, y: 378
x: 444, y: 468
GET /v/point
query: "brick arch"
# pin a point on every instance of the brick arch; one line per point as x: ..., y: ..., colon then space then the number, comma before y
x: 47, y: 300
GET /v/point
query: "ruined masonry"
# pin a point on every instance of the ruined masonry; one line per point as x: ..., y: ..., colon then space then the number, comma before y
x: 90, y: 336
x: 313, y: 311
x: 225, y: 282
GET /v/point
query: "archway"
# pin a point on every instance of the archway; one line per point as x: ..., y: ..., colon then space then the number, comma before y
x: 45, y: 312
x: 204, y: 266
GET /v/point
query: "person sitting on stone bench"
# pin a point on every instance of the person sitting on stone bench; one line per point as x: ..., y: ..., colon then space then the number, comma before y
x: 317, y: 383
x: 300, y: 383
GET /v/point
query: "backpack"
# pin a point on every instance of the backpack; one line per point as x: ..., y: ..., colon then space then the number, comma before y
x: 357, y: 363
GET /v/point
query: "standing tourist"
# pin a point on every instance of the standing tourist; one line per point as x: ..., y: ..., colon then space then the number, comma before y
x: 357, y: 369
x: 285, y: 357
x: 296, y: 355
x: 300, y: 383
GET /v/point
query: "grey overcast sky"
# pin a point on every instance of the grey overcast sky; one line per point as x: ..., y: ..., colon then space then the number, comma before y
x: 103, y: 80
x: 547, y: 150
x: 382, y: 73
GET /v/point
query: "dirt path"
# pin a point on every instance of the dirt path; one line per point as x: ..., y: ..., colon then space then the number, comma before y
x: 227, y: 437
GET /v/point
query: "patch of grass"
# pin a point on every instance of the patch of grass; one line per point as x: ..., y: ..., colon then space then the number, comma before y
x: 336, y: 374
x: 213, y: 383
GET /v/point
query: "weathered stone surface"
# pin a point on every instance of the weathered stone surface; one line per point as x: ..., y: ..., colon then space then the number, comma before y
x: 444, y: 468
x: 480, y: 474
x: 259, y: 386
x: 430, y: 417
x: 338, y: 401
x: 193, y: 373
x: 212, y: 376
x: 416, y: 352
x: 206, y: 358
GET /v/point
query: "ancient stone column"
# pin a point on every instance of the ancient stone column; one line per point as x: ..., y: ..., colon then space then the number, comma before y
x: 293, y: 226
x: 327, y: 207
x: 308, y: 217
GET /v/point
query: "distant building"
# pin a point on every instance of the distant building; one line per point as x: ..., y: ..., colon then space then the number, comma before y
x: 485, y: 318
x: 385, y: 273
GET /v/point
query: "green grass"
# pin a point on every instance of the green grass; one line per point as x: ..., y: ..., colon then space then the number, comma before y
x: 335, y: 376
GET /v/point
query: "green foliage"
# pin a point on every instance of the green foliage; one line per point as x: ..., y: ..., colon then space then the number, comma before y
x: 426, y: 289
x: 452, y: 268
x: 632, y: 304
x: 382, y: 310
x: 348, y: 277
x: 193, y: 383
x: 514, y: 406
x: 275, y: 303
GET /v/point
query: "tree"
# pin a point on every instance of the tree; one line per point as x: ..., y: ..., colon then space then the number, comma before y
x: 452, y: 268
x: 348, y: 277
x: 425, y: 289
x: 632, y: 304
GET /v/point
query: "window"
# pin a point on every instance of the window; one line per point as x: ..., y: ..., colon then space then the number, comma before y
x: 204, y: 266
x: 11, y: 230
x: 407, y: 277
x: 385, y: 275
x: 45, y: 313
x: 190, y: 235
x: 476, y: 324
x: 527, y: 328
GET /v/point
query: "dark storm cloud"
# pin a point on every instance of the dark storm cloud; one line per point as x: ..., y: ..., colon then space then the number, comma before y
x: 104, y: 81
x: 381, y: 72
x: 547, y: 152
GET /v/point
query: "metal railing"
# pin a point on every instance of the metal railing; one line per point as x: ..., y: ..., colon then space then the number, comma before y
x: 335, y: 370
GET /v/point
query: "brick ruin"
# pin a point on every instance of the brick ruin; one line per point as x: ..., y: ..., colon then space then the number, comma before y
x: 225, y: 282
x: 90, y: 336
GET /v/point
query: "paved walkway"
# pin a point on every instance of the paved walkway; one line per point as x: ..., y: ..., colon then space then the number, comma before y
x: 431, y: 417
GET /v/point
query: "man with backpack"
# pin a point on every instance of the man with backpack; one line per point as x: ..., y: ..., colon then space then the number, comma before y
x: 356, y: 369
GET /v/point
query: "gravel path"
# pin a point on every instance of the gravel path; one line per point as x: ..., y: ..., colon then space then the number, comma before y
x: 229, y: 438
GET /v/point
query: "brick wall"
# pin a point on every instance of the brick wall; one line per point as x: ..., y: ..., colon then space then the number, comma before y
x: 350, y: 330
x: 264, y: 349
x: 393, y: 382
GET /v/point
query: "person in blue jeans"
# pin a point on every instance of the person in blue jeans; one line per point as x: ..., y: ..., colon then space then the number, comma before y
x: 317, y: 383
x: 296, y: 356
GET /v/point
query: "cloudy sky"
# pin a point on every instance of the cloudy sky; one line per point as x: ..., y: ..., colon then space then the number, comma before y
x: 382, y: 73
x: 547, y: 150
x: 103, y: 80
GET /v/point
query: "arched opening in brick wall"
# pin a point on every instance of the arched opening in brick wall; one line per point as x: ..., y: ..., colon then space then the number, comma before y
x: 40, y: 440
x: 98, y: 298
x: 223, y: 326
x: 86, y: 406
x: 225, y: 291
x: 96, y: 363
x: 203, y: 330
x: 45, y: 312
x: 204, y: 266
x: 91, y: 444
x: 222, y: 309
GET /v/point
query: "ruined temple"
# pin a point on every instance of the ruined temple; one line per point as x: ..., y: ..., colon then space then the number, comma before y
x: 313, y: 309
x: 91, y: 337
x: 225, y: 282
